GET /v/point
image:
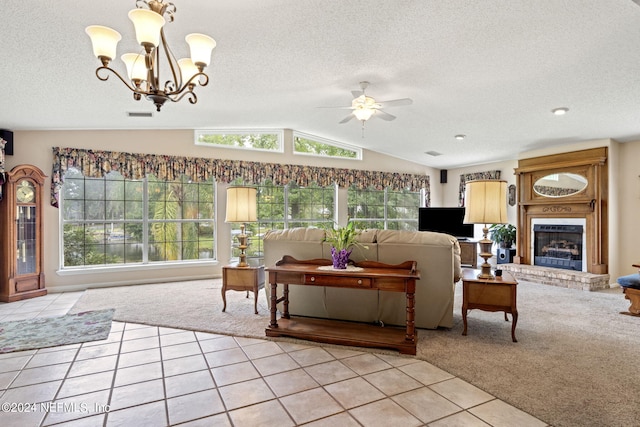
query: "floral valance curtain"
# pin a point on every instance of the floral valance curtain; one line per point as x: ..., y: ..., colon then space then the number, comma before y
x: 464, y: 178
x: 136, y: 166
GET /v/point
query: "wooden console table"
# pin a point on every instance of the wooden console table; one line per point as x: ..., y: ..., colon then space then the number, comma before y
x: 369, y: 275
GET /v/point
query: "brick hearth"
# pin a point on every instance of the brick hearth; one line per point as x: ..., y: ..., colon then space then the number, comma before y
x: 558, y: 277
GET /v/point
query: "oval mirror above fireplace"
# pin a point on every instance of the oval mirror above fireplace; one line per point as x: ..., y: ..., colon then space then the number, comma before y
x: 561, y: 184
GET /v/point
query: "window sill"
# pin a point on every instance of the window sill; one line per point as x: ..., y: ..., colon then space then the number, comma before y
x: 133, y: 267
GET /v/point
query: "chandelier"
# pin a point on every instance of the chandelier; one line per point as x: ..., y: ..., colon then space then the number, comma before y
x: 143, y: 69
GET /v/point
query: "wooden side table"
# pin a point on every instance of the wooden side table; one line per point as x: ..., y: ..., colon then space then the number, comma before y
x: 497, y: 294
x: 242, y: 279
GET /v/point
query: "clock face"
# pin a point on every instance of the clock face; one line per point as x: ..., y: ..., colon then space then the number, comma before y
x: 25, y: 193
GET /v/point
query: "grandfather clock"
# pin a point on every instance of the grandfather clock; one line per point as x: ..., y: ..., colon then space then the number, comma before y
x: 21, y: 246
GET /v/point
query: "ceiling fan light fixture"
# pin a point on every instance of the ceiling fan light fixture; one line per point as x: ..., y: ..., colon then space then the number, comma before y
x: 363, y: 113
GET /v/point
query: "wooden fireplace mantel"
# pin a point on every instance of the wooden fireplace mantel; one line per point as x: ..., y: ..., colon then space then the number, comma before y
x: 589, y: 204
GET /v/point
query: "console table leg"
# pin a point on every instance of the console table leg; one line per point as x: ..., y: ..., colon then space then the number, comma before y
x: 285, y: 303
x: 411, y: 315
x: 274, y: 302
x: 514, y: 314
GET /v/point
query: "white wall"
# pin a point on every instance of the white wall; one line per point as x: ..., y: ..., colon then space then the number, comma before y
x: 35, y: 147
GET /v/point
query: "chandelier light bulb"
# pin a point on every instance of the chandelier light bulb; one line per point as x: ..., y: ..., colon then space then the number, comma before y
x: 187, y: 69
x: 136, y: 68
x: 148, y: 25
x: 104, y: 41
x: 200, y: 47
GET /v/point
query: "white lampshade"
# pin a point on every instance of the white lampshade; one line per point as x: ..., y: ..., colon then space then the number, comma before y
x: 104, y: 40
x: 485, y: 202
x: 200, y: 46
x: 363, y: 113
x: 187, y: 69
x: 148, y: 25
x: 241, y: 204
x: 136, y: 68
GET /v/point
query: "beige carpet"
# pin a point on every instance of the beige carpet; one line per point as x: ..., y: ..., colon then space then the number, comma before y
x: 575, y: 363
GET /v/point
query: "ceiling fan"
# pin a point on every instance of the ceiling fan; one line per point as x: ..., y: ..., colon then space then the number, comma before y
x: 364, y: 107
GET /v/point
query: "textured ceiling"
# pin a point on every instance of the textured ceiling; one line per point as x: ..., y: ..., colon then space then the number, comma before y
x: 492, y: 70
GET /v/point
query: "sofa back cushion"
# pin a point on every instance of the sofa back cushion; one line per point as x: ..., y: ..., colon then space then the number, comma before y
x: 392, y: 238
x: 301, y: 243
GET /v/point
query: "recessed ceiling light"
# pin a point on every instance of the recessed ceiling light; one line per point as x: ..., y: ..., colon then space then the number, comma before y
x: 433, y: 153
x: 460, y: 136
x: 560, y: 111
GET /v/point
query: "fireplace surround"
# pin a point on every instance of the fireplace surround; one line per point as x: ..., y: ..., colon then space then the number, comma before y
x: 585, y: 203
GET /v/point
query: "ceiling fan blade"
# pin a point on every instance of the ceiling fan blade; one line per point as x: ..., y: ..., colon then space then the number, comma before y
x: 347, y: 119
x: 339, y: 108
x: 396, y: 102
x: 384, y: 115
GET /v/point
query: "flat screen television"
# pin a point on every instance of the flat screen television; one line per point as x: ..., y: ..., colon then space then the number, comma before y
x: 445, y: 220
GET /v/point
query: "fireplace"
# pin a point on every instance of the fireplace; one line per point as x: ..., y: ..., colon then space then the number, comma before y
x: 572, y: 249
x: 558, y: 246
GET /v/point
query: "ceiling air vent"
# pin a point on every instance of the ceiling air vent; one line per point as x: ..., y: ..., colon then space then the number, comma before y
x: 433, y: 153
x: 139, y: 114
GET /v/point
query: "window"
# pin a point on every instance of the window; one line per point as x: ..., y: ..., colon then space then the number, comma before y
x: 288, y: 206
x: 384, y: 209
x: 315, y: 146
x: 267, y: 140
x: 118, y: 221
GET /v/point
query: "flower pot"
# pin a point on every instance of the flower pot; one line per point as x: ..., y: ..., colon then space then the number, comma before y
x: 340, y: 258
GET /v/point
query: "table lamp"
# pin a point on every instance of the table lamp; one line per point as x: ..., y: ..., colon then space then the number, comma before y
x: 241, y: 207
x: 485, y: 203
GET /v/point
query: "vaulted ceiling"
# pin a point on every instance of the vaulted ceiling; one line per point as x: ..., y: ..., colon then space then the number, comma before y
x: 492, y: 70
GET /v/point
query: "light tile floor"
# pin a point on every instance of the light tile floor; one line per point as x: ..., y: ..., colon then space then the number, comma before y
x: 152, y: 376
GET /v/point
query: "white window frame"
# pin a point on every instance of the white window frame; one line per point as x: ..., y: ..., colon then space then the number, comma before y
x: 278, y: 132
x: 145, y: 264
x: 321, y: 140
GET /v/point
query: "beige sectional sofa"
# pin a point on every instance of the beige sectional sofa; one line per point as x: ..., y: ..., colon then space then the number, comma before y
x: 437, y: 256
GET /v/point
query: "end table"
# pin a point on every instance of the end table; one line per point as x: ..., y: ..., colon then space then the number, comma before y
x: 242, y: 279
x: 497, y: 294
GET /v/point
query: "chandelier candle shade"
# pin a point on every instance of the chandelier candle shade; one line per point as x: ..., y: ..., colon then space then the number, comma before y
x: 143, y: 69
x: 485, y: 203
x: 241, y: 207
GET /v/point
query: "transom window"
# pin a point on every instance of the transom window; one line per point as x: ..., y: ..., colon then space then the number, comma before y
x: 316, y: 146
x: 118, y: 221
x: 267, y: 140
x: 384, y: 209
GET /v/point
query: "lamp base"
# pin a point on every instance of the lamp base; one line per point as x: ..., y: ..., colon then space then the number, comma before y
x: 485, y: 253
x: 242, y: 240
